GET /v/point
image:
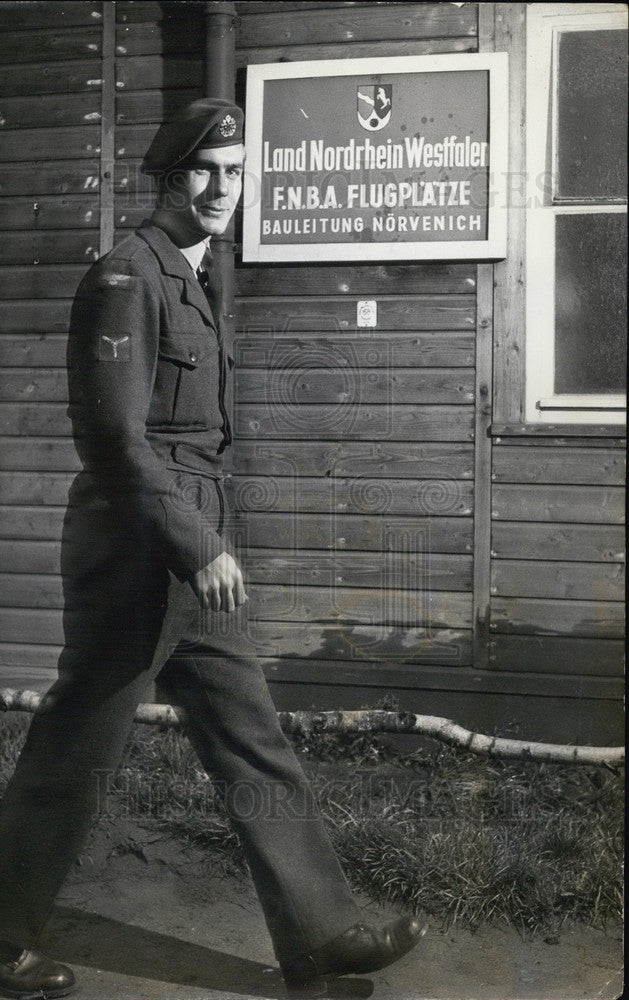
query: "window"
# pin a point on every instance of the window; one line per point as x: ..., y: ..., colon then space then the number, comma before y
x: 576, y: 213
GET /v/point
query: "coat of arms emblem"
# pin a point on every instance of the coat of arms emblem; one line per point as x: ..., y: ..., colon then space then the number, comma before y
x: 374, y: 106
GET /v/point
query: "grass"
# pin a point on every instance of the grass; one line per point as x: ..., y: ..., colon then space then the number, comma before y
x: 465, y: 840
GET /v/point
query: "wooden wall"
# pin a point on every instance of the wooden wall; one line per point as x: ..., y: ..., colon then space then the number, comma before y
x: 50, y: 139
x: 558, y: 556
x: 93, y: 80
x: 557, y: 607
x: 354, y: 461
x: 369, y: 490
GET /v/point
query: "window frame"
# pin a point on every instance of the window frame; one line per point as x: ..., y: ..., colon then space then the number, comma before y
x: 542, y: 404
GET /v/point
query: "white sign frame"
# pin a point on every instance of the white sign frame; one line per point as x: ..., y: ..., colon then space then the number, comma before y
x: 494, y: 247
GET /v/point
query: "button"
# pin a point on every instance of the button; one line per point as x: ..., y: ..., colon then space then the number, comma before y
x: 192, y: 356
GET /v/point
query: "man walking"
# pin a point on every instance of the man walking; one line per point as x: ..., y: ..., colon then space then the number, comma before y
x: 152, y: 590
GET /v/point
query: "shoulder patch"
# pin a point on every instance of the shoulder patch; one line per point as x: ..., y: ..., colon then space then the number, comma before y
x: 114, y: 347
x: 115, y: 281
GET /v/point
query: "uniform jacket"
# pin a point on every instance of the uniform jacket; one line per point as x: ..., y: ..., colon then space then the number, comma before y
x: 148, y: 386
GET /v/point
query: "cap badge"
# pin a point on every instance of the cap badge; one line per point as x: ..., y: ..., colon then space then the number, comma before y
x: 227, y: 127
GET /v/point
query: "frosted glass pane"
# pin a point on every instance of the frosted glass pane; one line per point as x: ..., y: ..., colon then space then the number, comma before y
x: 592, y: 115
x: 590, y: 303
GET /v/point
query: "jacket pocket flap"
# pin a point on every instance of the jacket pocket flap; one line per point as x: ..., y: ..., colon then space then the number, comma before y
x: 188, y: 350
x: 195, y: 458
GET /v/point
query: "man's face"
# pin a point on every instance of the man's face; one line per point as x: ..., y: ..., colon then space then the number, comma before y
x: 205, y: 194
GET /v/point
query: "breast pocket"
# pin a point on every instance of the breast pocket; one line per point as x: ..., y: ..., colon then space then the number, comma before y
x: 187, y: 367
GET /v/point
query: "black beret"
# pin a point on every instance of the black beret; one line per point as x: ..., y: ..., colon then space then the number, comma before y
x: 207, y: 123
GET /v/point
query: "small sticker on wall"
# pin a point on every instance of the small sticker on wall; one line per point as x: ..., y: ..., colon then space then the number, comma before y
x: 367, y: 313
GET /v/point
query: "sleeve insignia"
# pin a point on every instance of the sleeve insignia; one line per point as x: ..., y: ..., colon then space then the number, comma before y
x: 114, y: 348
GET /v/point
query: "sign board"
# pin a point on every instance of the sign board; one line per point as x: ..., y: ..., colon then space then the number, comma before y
x: 401, y: 158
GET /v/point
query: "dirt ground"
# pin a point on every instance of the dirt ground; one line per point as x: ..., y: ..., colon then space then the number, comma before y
x: 143, y: 918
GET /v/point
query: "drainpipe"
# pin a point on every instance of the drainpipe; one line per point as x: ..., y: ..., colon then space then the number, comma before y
x: 220, y: 49
x: 220, y: 81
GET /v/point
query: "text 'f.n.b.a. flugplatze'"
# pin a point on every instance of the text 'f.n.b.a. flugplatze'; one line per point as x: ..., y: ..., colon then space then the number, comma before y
x: 405, y: 162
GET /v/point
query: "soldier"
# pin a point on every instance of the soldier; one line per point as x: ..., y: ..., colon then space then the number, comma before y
x: 152, y: 589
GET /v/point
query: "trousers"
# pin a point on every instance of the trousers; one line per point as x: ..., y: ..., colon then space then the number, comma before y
x: 207, y: 664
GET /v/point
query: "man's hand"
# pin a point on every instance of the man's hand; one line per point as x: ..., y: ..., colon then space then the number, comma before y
x: 220, y: 586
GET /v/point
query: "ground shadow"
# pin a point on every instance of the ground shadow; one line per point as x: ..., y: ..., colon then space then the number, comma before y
x: 89, y: 939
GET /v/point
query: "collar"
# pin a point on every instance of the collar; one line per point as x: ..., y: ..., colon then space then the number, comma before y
x: 195, y: 255
x: 170, y: 257
x: 173, y: 262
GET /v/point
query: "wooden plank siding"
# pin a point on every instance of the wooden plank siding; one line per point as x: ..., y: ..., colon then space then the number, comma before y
x: 37, y: 14
x: 51, y: 88
x: 394, y: 536
x: 557, y: 558
x: 363, y: 439
x: 73, y: 77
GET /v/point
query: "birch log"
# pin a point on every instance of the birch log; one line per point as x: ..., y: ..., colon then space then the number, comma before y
x: 375, y: 721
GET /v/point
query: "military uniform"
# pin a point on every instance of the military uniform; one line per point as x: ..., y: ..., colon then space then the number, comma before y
x: 149, y: 382
x: 148, y: 377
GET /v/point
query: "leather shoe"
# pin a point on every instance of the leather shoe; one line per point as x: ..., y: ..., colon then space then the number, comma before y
x: 28, y: 975
x: 359, y: 950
